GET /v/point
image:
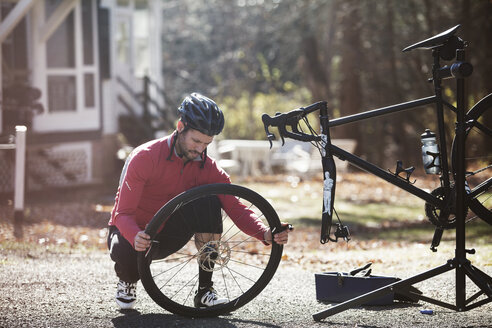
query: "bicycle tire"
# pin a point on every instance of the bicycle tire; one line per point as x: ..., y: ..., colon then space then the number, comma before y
x: 478, y: 158
x: 239, y: 280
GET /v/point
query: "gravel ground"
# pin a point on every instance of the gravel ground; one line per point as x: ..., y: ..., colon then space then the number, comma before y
x: 60, y: 275
x: 48, y: 288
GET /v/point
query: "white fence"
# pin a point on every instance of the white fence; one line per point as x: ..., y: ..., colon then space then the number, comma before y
x: 19, y: 176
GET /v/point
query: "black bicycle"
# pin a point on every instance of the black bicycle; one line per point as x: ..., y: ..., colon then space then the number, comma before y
x: 244, y: 265
x: 465, y: 180
x: 440, y: 204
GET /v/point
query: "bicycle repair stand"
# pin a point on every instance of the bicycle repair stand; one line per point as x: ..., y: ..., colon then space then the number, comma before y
x: 459, y: 263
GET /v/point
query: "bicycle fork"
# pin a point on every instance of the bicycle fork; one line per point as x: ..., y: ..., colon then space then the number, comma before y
x: 329, y: 176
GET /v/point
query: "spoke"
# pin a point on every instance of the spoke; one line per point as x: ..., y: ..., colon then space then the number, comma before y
x: 471, y: 219
x: 185, y: 255
x: 248, y: 241
x: 482, y: 129
x: 486, y: 199
x: 227, y: 238
x: 479, y: 170
x: 239, y: 243
x: 242, y: 275
x: 235, y: 280
x: 186, y: 284
x: 249, y: 209
x: 225, y: 282
x: 251, y: 253
x: 224, y: 235
x: 224, y: 218
x: 168, y: 269
x: 174, y: 275
x: 247, y: 264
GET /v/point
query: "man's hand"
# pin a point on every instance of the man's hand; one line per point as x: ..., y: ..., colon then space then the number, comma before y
x: 280, y: 237
x: 141, y: 242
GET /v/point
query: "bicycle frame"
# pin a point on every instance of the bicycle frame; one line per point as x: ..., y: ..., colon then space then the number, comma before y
x: 371, y: 168
x: 329, y: 150
x: 449, y: 46
x: 393, y: 178
x: 329, y: 169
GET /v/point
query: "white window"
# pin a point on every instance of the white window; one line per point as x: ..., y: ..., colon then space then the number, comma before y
x: 68, y: 65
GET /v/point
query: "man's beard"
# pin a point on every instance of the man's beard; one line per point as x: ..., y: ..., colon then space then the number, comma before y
x: 190, y: 155
x: 186, y: 154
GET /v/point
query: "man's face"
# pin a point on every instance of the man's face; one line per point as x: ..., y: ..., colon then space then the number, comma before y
x: 191, y: 143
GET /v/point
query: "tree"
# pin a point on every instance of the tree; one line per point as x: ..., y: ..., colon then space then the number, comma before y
x: 345, y: 52
x: 351, y: 55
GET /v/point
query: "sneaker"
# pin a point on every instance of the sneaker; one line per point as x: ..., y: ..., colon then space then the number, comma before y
x: 126, y: 295
x: 206, y: 297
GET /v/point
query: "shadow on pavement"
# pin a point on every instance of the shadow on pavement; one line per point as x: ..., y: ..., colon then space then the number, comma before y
x: 133, y: 318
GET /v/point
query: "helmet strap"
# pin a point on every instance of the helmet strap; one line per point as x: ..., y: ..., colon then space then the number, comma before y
x: 204, y: 158
x: 173, y: 145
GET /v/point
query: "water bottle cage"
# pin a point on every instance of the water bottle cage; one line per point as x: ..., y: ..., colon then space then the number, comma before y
x: 435, y: 156
x: 408, y: 171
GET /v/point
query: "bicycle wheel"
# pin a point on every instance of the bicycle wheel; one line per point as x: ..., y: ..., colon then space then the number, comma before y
x: 478, y: 158
x: 243, y: 265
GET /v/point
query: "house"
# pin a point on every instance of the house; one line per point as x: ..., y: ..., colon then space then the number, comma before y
x: 77, y: 73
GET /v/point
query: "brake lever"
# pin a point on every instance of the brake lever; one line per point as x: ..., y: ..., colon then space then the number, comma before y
x: 267, y: 121
x: 270, y: 136
x: 290, y: 119
x: 281, y: 120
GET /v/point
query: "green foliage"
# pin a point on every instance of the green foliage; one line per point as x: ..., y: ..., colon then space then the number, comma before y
x: 243, y: 113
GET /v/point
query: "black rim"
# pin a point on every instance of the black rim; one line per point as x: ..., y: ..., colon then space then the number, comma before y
x: 478, y: 158
x: 243, y: 269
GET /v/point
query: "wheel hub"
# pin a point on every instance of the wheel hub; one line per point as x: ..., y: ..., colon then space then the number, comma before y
x: 214, y: 255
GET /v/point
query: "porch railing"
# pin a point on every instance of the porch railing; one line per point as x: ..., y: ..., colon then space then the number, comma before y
x: 155, y: 112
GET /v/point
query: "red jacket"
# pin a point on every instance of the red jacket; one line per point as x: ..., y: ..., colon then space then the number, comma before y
x: 149, y: 180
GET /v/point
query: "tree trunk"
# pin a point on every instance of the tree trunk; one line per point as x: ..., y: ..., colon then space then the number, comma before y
x: 316, y: 79
x: 350, y: 89
x: 400, y: 144
x: 317, y: 52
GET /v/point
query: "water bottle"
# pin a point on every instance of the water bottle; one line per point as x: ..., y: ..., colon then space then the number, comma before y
x: 431, y: 159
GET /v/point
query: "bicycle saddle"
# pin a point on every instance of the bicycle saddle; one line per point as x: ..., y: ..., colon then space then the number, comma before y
x: 435, y: 41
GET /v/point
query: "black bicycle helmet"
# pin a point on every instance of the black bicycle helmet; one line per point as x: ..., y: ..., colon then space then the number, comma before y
x: 201, y: 113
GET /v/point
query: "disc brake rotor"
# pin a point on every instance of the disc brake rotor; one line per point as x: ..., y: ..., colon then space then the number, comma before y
x: 214, y: 255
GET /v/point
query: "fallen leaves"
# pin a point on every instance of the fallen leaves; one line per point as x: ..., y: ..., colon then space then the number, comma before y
x: 80, y: 219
